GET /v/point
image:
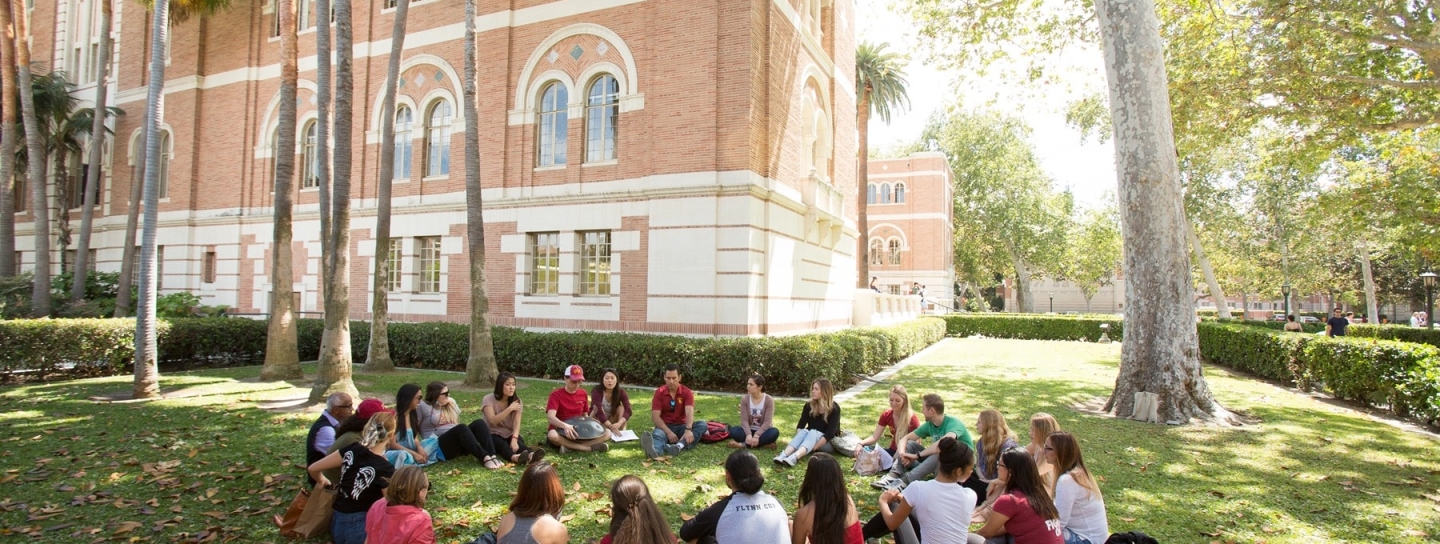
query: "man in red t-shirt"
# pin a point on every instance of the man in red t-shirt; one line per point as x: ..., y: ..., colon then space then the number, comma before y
x: 672, y: 410
x: 566, y: 403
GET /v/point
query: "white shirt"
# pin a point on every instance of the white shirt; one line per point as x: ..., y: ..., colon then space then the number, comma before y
x: 943, y: 509
x: 1081, y: 510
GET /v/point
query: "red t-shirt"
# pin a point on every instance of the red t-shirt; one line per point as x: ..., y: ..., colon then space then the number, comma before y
x: 567, y: 405
x: 1024, y: 524
x: 672, y: 409
x: 887, y: 420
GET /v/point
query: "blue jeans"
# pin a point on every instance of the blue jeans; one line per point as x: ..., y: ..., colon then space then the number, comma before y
x: 348, y: 528
x: 766, y: 438
x: 805, y: 438
x: 1072, y: 538
x: 698, y: 429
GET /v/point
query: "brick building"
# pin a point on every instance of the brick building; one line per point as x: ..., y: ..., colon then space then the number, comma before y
x: 674, y: 166
x: 910, y: 215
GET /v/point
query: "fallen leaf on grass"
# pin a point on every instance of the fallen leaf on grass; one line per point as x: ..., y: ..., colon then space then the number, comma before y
x: 1128, y: 520
x: 1415, y: 532
x: 127, y: 526
x: 686, y: 517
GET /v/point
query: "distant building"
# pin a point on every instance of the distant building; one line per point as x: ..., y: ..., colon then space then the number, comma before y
x: 1067, y: 297
x: 910, y: 207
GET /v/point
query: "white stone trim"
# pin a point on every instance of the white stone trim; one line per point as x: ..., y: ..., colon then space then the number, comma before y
x: 525, y: 87
x: 909, y: 216
x: 904, y: 240
x: 891, y: 175
x: 271, y: 119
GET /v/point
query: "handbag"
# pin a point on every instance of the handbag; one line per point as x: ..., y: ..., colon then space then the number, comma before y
x: 315, y: 520
x: 845, y: 443
x: 867, y: 461
x: 292, y: 514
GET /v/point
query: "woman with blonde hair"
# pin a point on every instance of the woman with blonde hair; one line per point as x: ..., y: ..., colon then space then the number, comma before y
x: 364, y: 474
x: 635, y: 518
x: 1077, y: 496
x: 1042, y: 425
x: 819, y: 424
x: 400, y: 517
x: 898, y: 421
x: 995, y: 437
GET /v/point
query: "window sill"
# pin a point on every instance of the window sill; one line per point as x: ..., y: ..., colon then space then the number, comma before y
x: 436, y: 178
x: 595, y: 297
x: 542, y: 295
x: 551, y: 168
x: 611, y: 162
x: 315, y: 189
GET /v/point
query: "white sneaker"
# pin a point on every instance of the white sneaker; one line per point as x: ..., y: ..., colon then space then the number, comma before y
x: 790, y: 460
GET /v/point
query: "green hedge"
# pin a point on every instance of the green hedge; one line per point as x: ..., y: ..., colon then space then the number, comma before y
x: 1033, y: 326
x: 1403, y: 333
x: 95, y: 347
x: 1280, y: 325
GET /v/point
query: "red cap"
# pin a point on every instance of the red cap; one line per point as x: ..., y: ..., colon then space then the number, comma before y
x: 575, y: 373
x: 370, y: 407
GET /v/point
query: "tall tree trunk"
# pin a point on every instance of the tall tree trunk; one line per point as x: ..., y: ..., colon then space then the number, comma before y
x: 1222, y: 307
x: 378, y: 358
x: 334, y: 370
x: 1372, y: 306
x: 9, y: 114
x: 1024, y: 301
x: 480, y: 369
x: 1160, y: 353
x: 35, y: 150
x: 62, y: 204
x: 97, y: 154
x: 132, y: 223
x: 322, y: 133
x: 282, y: 359
x: 147, y: 374
x: 862, y: 190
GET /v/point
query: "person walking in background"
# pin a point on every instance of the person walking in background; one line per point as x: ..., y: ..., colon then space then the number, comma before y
x: 757, y: 417
x: 1336, y: 325
x: 1291, y: 325
x: 672, y: 410
x: 875, y: 283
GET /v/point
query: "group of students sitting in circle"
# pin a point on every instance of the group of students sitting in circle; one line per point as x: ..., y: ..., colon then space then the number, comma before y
x: 1039, y: 494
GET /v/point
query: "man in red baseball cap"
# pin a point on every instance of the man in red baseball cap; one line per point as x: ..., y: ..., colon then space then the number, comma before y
x: 566, y: 403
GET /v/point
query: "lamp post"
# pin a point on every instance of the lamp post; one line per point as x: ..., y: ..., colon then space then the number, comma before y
x: 1429, y: 278
x: 1052, y: 301
x: 1285, y: 291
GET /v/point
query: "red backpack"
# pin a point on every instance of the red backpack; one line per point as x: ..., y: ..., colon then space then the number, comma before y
x: 715, y: 431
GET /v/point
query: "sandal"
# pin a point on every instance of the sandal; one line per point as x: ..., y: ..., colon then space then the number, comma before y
x: 492, y: 463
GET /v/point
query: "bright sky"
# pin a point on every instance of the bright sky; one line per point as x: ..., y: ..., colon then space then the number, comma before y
x: 1088, y: 170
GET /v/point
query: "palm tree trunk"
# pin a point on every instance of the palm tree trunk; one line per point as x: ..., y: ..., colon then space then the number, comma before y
x: 862, y: 188
x: 378, y: 359
x: 480, y: 369
x: 97, y: 148
x: 132, y: 223
x: 282, y: 359
x: 9, y: 109
x: 322, y: 132
x: 334, y: 371
x: 1222, y: 306
x: 62, y: 200
x: 147, y: 374
x: 35, y: 149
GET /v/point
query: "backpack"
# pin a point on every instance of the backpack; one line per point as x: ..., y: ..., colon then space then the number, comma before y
x: 715, y: 431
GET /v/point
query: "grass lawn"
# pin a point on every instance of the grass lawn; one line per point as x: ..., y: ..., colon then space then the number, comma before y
x: 213, y: 464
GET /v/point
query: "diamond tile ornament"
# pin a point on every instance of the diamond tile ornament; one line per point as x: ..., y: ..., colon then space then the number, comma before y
x: 576, y: 52
x: 439, y: 76
x: 420, y: 79
x: 602, y: 48
x: 552, y: 56
x: 314, y: 100
x: 402, y: 83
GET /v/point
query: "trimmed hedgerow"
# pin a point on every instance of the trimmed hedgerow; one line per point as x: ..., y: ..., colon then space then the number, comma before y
x: 1033, y: 326
x: 89, y: 347
x: 1403, y: 333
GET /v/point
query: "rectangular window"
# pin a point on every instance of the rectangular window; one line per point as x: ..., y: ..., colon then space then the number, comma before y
x: 207, y: 267
x: 19, y: 260
x: 68, y: 265
x: 21, y: 194
x: 397, y: 251
x: 305, y: 14
x: 429, y: 264
x: 595, y: 263
x: 895, y: 289
x: 545, y: 263
x: 159, y: 268
x: 135, y: 266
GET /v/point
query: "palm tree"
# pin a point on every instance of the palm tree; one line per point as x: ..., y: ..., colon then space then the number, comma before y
x: 880, y: 79
x: 322, y: 133
x: 378, y: 358
x: 9, y: 114
x: 480, y: 369
x: 97, y: 144
x: 334, y: 371
x: 147, y: 374
x: 35, y: 147
x: 282, y: 357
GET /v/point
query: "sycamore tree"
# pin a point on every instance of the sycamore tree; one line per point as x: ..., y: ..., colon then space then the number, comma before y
x: 1092, y: 251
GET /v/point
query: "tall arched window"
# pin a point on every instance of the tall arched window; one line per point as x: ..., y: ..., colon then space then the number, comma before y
x: 894, y: 251
x: 404, y: 141
x: 310, y: 159
x: 554, y: 122
x: 870, y: 193
x: 877, y: 252
x: 602, y: 114
x: 164, y: 186
x: 437, y: 138
x: 885, y: 193
x: 274, y: 155
x: 899, y: 193
x: 815, y: 129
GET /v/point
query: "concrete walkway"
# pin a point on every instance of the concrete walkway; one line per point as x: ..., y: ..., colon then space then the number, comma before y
x: 887, y: 373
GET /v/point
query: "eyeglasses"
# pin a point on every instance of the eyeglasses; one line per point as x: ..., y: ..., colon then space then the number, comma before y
x: 344, y: 405
x: 1048, y: 448
x: 1001, y: 465
x: 444, y: 393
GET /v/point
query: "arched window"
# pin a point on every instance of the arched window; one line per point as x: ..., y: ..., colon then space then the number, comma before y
x: 554, y: 123
x: 877, y: 252
x: 899, y: 193
x: 894, y: 251
x: 274, y: 155
x: 404, y: 141
x: 885, y: 193
x: 870, y: 193
x: 437, y: 138
x: 164, y: 186
x: 310, y: 159
x: 816, y: 133
x: 602, y: 114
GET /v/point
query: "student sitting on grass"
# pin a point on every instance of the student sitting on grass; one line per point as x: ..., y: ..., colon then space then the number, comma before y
x: 352, y: 430
x: 914, y: 461
x: 1025, y: 511
x: 939, y: 509
x: 534, y: 516
x: 1077, y: 496
x: 566, y: 403
x: 440, y: 417
x: 827, y: 514
x: 1042, y: 425
x: 609, y: 403
x: 819, y: 424
x: 995, y: 437
x: 898, y: 421
x: 400, y: 517
x: 634, y: 516
x: 364, y: 474
x: 747, y: 516
x: 672, y: 410
x: 757, y: 417
x: 502, y: 409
